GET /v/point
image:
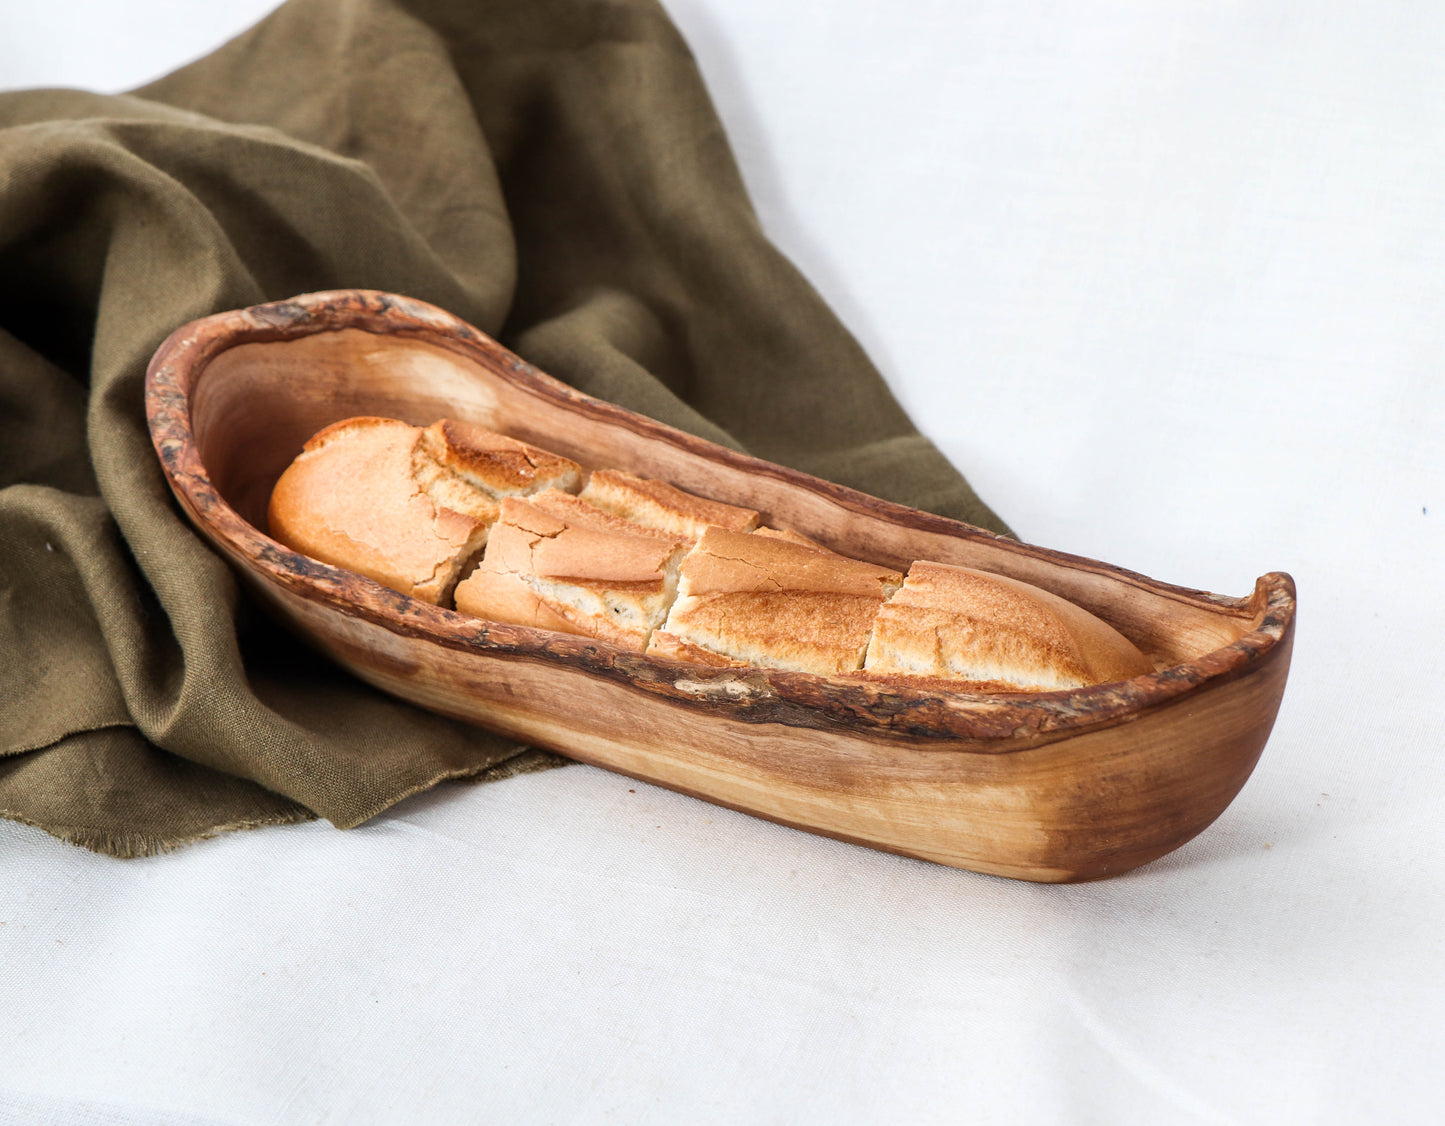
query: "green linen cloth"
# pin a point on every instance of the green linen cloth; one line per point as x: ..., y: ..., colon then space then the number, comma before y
x: 549, y: 170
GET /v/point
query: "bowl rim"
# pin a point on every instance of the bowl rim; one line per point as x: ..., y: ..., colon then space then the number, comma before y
x: 921, y: 714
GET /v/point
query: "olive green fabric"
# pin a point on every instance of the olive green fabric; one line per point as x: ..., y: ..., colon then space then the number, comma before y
x: 549, y: 170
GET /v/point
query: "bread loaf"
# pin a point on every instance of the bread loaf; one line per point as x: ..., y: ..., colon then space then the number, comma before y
x: 641, y: 564
x: 954, y: 623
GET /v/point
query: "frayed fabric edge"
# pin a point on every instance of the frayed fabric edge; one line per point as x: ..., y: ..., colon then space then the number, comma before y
x: 136, y: 846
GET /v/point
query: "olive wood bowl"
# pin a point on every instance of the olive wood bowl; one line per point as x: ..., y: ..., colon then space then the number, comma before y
x: 1048, y: 786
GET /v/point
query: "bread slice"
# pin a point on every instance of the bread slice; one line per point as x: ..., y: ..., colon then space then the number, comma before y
x: 660, y: 505
x: 404, y: 506
x: 350, y: 499
x: 469, y: 468
x: 664, y: 644
x: 553, y: 573
x: 958, y: 624
x: 775, y: 604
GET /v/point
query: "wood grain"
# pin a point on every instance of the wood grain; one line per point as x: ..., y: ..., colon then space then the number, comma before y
x: 1047, y: 786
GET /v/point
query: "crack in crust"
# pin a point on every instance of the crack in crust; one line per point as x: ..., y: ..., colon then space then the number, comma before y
x: 661, y: 505
x: 955, y: 623
x: 768, y: 602
x: 571, y: 576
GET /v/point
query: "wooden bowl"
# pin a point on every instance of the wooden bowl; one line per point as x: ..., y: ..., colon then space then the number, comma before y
x: 1046, y: 786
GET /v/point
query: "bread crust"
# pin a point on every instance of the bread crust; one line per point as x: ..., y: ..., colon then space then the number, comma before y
x: 664, y: 644
x: 660, y: 505
x: 790, y: 536
x: 775, y: 604
x: 468, y: 468
x: 958, y: 624
x: 579, y: 513
x: 495, y: 463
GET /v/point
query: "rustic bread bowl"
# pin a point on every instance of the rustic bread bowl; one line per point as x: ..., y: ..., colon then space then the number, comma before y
x: 1048, y: 786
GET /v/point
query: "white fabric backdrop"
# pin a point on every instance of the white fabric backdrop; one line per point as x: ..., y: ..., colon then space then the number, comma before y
x: 1166, y: 281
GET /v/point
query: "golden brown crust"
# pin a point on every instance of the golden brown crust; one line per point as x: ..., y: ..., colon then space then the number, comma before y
x: 501, y: 596
x: 790, y: 536
x: 958, y: 624
x: 349, y: 499
x: 737, y: 562
x: 664, y: 644
x: 545, y: 571
x: 468, y: 468
x: 660, y: 505
x: 938, y: 683
x: 495, y: 463
x: 777, y: 604
x: 529, y: 541
x: 577, y: 512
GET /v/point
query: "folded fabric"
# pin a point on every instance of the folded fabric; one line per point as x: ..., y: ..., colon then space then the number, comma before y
x: 549, y: 170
